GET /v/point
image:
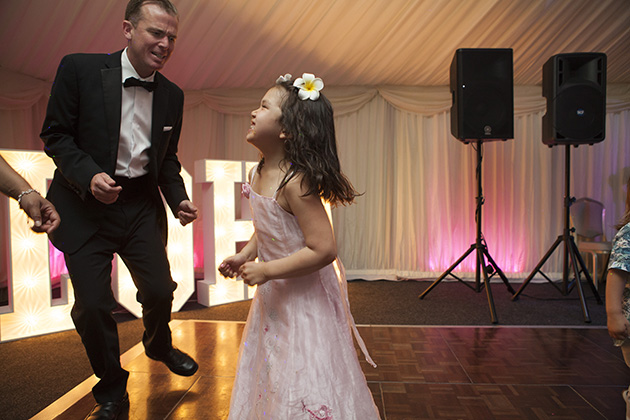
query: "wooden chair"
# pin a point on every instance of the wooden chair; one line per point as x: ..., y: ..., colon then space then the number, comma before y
x: 588, y: 216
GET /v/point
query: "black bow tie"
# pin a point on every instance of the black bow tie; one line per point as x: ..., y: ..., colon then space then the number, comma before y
x: 132, y: 81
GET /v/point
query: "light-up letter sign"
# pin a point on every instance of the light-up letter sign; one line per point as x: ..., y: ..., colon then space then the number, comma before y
x: 222, y: 232
x: 180, y: 257
x: 31, y: 310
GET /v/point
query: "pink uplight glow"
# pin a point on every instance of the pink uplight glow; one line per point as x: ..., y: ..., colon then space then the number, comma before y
x: 57, y: 263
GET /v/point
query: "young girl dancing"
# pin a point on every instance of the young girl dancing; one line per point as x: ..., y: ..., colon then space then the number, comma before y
x: 297, y: 359
x: 618, y: 291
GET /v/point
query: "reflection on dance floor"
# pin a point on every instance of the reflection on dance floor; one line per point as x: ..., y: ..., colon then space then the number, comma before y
x: 423, y: 373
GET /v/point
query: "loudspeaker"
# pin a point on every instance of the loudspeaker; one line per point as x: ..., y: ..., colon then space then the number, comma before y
x: 575, y: 87
x: 481, y: 81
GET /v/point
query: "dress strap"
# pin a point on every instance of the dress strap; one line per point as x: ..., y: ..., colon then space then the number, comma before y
x: 282, y: 184
x: 252, y: 175
x: 343, y: 285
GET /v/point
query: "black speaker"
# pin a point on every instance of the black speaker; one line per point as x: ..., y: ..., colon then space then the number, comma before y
x: 575, y: 87
x: 483, y: 94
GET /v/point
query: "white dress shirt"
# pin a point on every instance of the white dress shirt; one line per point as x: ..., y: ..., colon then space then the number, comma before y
x: 135, y: 125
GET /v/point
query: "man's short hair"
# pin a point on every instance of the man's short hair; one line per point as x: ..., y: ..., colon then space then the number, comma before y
x: 133, y: 12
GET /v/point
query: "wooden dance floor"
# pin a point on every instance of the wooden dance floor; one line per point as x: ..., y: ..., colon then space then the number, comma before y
x: 423, y: 373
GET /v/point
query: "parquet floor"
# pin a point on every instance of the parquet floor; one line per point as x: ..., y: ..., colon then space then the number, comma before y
x: 423, y: 373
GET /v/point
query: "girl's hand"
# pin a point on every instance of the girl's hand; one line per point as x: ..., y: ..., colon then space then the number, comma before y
x: 253, y: 273
x: 618, y: 326
x: 230, y: 266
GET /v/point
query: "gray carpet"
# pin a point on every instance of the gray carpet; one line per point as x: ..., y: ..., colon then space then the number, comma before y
x: 36, y: 371
x: 449, y: 303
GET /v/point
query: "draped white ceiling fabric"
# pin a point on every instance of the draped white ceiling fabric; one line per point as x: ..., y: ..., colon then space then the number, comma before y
x: 248, y: 43
x: 386, y: 68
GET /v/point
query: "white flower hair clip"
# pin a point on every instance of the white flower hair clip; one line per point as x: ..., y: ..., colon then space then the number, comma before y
x: 286, y: 78
x: 309, y: 86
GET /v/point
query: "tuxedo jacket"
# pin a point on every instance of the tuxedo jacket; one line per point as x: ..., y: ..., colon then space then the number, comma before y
x: 81, y: 133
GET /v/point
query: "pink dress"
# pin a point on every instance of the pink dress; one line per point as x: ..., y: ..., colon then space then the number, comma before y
x: 297, y: 360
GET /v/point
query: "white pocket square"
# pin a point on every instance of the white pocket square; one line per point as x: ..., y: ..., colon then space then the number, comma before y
x: 167, y: 128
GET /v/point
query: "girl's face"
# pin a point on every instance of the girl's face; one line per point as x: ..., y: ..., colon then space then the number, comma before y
x: 265, y: 128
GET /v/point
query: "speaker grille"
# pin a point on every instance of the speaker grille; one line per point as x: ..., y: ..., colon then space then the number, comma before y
x: 489, y: 117
x: 581, y: 115
x: 483, y: 94
x: 575, y: 87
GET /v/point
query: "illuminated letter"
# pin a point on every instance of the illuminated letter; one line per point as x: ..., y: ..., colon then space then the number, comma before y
x: 32, y: 310
x: 180, y: 257
x: 221, y: 231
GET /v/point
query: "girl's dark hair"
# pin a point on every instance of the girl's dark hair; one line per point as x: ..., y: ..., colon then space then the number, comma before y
x: 626, y: 217
x: 311, y: 147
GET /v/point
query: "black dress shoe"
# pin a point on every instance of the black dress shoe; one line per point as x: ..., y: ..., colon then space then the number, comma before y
x: 109, y: 410
x: 177, y: 361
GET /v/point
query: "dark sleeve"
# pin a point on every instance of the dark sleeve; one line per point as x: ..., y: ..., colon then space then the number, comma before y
x: 60, y: 128
x: 169, y: 176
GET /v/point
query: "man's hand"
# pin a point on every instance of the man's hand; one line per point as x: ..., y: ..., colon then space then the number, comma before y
x: 104, y: 188
x: 44, y: 215
x: 187, y: 212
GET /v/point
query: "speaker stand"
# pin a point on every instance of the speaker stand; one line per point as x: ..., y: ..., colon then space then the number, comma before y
x: 481, y: 254
x: 571, y: 253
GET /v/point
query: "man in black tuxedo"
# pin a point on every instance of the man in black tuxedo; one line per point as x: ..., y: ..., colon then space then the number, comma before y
x: 112, y: 128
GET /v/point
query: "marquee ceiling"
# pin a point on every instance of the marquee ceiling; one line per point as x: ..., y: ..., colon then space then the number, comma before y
x: 248, y: 43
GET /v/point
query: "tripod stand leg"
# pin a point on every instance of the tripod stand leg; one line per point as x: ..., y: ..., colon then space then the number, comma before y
x: 587, y: 275
x: 447, y: 272
x: 538, y: 267
x: 481, y: 264
x: 478, y: 246
x: 498, y: 270
x: 578, y: 283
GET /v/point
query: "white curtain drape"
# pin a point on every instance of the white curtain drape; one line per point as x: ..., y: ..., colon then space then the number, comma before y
x: 416, y: 216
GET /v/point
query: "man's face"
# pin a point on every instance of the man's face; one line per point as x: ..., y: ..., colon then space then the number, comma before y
x: 152, y: 41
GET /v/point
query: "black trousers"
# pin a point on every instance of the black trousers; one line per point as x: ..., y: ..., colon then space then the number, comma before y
x: 130, y: 229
